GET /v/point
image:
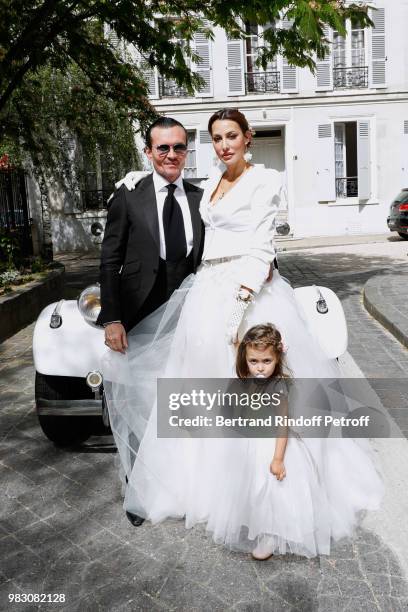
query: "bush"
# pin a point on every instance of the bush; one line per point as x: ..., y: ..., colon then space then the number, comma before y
x: 9, y: 250
x: 23, y: 278
x: 9, y: 277
x: 38, y: 265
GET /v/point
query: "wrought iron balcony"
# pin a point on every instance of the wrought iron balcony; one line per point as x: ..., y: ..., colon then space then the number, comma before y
x: 170, y: 89
x: 347, y: 187
x: 262, y: 82
x: 95, y: 199
x: 350, y: 78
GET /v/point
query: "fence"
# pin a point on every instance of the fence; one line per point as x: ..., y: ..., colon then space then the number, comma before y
x: 14, y: 208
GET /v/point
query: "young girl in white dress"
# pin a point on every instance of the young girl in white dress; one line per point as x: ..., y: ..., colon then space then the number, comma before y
x: 226, y: 483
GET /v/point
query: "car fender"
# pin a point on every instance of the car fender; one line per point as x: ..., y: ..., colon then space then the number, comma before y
x: 330, y: 328
x: 73, y: 349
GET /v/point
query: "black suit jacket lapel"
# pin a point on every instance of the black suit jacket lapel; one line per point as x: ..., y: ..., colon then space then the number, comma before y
x: 148, y: 202
x: 193, y: 198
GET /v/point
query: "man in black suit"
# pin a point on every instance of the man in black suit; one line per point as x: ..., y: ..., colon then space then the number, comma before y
x: 153, y: 238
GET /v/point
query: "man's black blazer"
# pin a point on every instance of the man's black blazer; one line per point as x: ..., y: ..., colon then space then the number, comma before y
x: 131, y: 249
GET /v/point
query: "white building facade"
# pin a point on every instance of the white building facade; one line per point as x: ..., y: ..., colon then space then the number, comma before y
x: 339, y: 138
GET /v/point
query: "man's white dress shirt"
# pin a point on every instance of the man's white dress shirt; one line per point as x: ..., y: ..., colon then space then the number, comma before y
x: 160, y: 184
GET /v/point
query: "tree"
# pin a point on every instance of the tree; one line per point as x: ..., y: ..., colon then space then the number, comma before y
x: 59, y: 32
x: 62, y: 75
x: 56, y: 121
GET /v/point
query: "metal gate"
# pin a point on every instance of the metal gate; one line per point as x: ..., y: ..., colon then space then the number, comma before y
x: 14, y: 208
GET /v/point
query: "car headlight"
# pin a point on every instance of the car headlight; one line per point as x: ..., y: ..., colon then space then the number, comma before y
x: 89, y: 303
x: 283, y: 229
x: 94, y: 380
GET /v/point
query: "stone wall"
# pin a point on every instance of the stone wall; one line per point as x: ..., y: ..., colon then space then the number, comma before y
x: 22, y: 306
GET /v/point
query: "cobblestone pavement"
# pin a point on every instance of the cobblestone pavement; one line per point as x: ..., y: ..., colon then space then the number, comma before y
x: 63, y: 530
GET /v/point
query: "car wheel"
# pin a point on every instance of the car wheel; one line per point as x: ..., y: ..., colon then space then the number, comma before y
x: 62, y: 430
x: 404, y: 236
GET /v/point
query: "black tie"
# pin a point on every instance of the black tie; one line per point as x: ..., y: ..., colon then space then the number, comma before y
x: 173, y: 224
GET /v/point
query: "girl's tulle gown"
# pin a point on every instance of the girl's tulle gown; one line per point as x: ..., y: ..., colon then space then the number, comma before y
x: 226, y: 483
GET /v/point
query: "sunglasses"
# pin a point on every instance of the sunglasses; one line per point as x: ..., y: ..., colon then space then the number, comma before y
x: 178, y: 148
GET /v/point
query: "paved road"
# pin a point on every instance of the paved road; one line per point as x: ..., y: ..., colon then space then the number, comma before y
x: 62, y: 529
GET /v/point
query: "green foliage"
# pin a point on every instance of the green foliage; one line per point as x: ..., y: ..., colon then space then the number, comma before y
x: 60, y: 74
x: 52, y: 109
x: 12, y: 260
x: 14, y: 269
x: 9, y: 250
x: 13, y: 277
x: 9, y: 277
x: 38, y: 265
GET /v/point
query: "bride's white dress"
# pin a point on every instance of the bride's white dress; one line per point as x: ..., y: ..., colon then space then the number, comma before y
x: 226, y: 483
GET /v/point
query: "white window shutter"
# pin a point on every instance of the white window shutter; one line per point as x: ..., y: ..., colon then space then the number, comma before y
x: 151, y: 77
x: 236, y: 77
x: 289, y: 77
x: 326, y: 183
x: 205, y: 154
x: 150, y: 74
x: 111, y: 35
x: 378, y: 56
x: 363, y: 160
x: 324, y: 67
x: 203, y: 66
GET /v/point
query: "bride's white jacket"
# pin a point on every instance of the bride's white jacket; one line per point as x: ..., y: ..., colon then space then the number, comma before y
x: 243, y: 222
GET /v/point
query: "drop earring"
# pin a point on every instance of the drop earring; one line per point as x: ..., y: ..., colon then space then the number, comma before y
x: 247, y: 155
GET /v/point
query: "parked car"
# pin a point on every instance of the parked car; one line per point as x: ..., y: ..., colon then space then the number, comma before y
x: 397, y: 220
x: 68, y: 348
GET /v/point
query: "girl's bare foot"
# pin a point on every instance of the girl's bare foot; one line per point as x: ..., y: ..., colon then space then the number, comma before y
x: 263, y: 550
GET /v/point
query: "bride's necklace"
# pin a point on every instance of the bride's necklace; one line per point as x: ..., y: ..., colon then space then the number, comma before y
x: 231, y: 185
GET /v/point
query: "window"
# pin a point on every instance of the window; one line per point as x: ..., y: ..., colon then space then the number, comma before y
x: 169, y: 88
x: 357, y: 45
x: 251, y: 46
x: 345, y: 155
x: 344, y: 165
x: 98, y: 181
x: 190, y: 169
x: 257, y: 79
x: 201, y: 45
x: 350, y: 68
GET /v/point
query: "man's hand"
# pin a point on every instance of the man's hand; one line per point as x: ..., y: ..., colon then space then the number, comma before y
x: 115, y: 337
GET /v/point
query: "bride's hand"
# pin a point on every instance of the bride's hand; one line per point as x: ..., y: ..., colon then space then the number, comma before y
x: 277, y: 468
x: 270, y: 275
x: 242, y: 299
x: 131, y: 179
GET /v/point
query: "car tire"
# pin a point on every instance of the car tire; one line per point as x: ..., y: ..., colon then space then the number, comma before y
x: 404, y: 236
x: 62, y: 430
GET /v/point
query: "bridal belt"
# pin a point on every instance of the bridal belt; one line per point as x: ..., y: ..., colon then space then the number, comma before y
x: 218, y: 260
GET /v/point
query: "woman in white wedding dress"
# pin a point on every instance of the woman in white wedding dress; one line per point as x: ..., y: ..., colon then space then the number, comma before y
x: 226, y: 483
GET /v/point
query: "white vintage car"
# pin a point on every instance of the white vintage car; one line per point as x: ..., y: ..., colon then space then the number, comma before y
x: 68, y: 348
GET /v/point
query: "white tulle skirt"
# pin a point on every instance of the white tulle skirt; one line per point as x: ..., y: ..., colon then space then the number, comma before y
x: 226, y: 483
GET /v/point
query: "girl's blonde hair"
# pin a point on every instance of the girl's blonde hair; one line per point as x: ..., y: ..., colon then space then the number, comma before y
x: 262, y: 337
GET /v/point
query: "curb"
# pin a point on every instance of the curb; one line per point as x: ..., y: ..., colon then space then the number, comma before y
x: 383, y: 310
x: 286, y: 244
x: 22, y: 306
